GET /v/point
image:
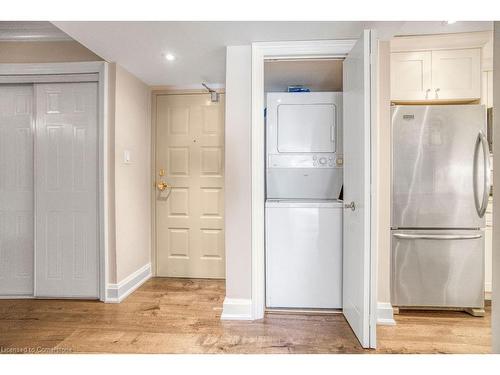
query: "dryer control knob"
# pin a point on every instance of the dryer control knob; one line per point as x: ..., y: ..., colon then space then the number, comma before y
x: 322, y: 161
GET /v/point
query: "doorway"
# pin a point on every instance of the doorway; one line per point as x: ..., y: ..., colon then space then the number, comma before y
x: 189, y: 191
x: 359, y: 292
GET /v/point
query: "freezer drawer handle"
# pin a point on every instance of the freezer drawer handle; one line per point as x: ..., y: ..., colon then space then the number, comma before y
x: 437, y: 236
x: 481, y: 207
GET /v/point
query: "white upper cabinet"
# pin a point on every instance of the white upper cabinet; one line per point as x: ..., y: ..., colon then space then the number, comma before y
x: 436, y: 75
x: 456, y: 74
x: 411, y: 75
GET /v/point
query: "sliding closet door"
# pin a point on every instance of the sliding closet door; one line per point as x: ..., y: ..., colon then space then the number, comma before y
x: 66, y: 244
x: 16, y: 190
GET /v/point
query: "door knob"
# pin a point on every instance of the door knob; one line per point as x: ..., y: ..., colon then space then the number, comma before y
x: 351, y: 205
x: 162, y: 185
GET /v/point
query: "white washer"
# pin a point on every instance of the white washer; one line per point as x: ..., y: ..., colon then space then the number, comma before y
x: 304, y: 254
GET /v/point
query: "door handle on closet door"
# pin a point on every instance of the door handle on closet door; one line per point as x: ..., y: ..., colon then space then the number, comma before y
x: 351, y: 205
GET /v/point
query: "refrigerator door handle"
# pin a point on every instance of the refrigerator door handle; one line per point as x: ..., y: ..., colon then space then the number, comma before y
x: 437, y: 236
x: 481, y: 207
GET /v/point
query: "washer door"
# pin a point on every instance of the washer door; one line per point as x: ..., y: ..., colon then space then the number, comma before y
x: 303, y: 257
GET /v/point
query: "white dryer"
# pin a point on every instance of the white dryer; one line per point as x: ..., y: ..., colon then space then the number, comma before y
x: 304, y: 145
x: 304, y: 254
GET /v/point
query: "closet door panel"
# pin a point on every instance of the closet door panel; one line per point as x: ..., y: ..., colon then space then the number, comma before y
x: 16, y: 190
x: 66, y: 191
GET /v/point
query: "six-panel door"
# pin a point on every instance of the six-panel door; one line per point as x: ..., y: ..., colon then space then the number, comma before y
x: 66, y: 244
x: 190, y: 214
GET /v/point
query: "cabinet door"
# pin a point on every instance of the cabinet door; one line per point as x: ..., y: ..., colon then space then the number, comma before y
x: 456, y: 74
x: 410, y: 75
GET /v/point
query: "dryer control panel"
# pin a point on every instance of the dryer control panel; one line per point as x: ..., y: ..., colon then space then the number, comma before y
x: 305, y: 161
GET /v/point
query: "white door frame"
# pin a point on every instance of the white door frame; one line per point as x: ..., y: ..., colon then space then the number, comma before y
x: 78, y: 72
x: 289, y: 50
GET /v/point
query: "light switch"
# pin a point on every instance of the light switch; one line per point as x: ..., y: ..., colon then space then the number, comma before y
x: 126, y: 157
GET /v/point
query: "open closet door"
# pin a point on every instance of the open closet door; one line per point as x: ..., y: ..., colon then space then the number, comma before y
x: 357, y: 150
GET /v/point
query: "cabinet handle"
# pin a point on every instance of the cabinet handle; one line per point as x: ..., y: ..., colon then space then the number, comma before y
x: 427, y: 93
x: 436, y: 91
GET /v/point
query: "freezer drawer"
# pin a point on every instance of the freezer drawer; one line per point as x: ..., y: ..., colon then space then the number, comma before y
x: 437, y: 268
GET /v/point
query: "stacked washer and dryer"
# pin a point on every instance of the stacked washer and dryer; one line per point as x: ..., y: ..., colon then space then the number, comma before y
x: 304, y: 178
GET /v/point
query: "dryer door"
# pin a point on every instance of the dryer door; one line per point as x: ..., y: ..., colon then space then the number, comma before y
x: 306, y: 128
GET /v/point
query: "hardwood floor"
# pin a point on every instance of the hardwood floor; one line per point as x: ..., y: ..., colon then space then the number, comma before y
x: 183, y: 316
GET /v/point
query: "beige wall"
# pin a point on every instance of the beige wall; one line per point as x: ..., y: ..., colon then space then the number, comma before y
x: 495, y: 318
x: 43, y: 52
x: 238, y: 187
x: 130, y: 182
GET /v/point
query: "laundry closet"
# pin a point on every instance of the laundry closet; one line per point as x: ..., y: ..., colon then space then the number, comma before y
x: 304, y: 181
x: 49, y: 232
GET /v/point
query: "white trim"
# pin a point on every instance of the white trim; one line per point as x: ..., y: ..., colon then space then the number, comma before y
x: 385, y: 314
x: 49, y: 78
x: 61, y: 73
x: 51, y: 68
x: 441, y: 42
x: 237, y: 309
x: 103, y: 177
x: 261, y: 52
x: 374, y: 177
x: 116, y: 293
x: 487, y: 287
x: 198, y: 88
x: 303, y: 49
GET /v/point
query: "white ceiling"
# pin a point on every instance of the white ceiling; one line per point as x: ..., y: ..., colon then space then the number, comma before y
x: 200, y: 46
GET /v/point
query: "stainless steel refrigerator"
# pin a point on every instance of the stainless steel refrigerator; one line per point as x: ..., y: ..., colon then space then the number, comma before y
x: 439, y: 194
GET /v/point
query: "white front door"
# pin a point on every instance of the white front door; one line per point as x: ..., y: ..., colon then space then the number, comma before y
x: 16, y: 190
x: 66, y: 244
x: 357, y: 148
x: 190, y: 214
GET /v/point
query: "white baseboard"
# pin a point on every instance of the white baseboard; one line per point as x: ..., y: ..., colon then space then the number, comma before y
x: 237, y: 309
x: 385, y: 314
x: 115, y: 293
